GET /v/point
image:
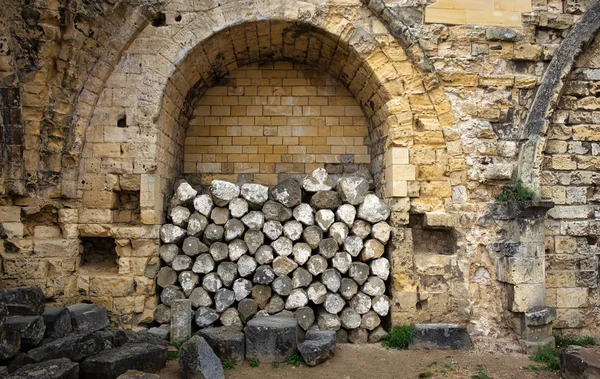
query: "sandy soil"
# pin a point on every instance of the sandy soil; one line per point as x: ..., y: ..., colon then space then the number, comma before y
x: 373, y: 361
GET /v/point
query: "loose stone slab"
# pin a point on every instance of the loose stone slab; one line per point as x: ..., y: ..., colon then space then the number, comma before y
x: 198, y: 360
x: 10, y: 343
x: 58, y: 322
x: 271, y: 339
x: 440, y: 337
x: 23, y: 301
x: 52, y: 369
x: 228, y: 343
x: 88, y: 318
x: 318, y: 346
x: 31, y: 329
x: 181, y: 320
x: 110, y: 364
x: 579, y: 362
x: 205, y: 316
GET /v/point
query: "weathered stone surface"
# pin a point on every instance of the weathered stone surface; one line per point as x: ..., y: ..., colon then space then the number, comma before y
x: 211, y: 282
x: 334, y: 303
x: 219, y: 251
x: 282, y: 246
x: 373, y: 249
x: 242, y: 288
x: 162, y: 333
x: 255, y: 194
x: 328, y: 247
x: 254, y: 220
x: 341, y: 261
x: 264, y: 255
x: 282, y: 285
x: 264, y: 275
x: 302, y: 252
x: 361, y: 303
x: 228, y: 343
x: 318, y: 180
x: 358, y: 336
x: 579, y: 362
x: 52, y: 369
x: 283, y: 265
x: 275, y: 211
x: 381, y: 305
x: 75, y: 348
x: 348, y: 288
x: 188, y: 280
x: 316, y: 265
x: 231, y: 317
x: 540, y: 316
x: 312, y: 235
x: 305, y: 317
x: 88, y: 318
x: 341, y: 336
x: 331, y: 278
x: 318, y: 346
x: 338, y: 231
x: 233, y: 229
x: 254, y: 239
x: 301, y: 278
x: 204, y: 204
x: 359, y: 272
x: 166, y: 277
x: 181, y: 320
x: 31, y: 329
x: 261, y: 294
x: 247, y: 308
x: 377, y: 335
x: 237, y: 248
x: 10, y: 343
x: 182, y: 263
x: 272, y: 229
x: 373, y: 209
x: 168, y: 295
x: 324, y: 218
x: 352, y: 190
x: 238, y: 207
x: 298, y: 298
x: 204, y: 264
x: 212, y: 234
x: 379, y: 267
x: 134, y: 374
x: 200, y: 298
x: 350, y: 318
x: 219, y: 215
x: 325, y: 200
x: 205, y: 316
x: 271, y: 339
x: 196, y: 225
x: 361, y: 229
x: 162, y: 314
x: 381, y: 232
x: 353, y: 245
x: 440, y: 337
x: 180, y: 216
x: 293, y: 230
x: 224, y: 298
x: 222, y: 192
x: 328, y: 321
x: 172, y: 234
x: 346, y: 213
x: 374, y: 286
x: 370, y: 320
x: 168, y: 252
x: 228, y: 272
x: 288, y: 193
x: 57, y: 321
x: 198, y: 360
x: 246, y: 266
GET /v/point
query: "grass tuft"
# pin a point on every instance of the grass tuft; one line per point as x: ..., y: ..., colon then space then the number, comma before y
x: 228, y: 365
x: 275, y: 364
x: 426, y: 374
x: 400, y: 337
x: 548, y: 357
x: 172, y: 355
x: 253, y: 362
x: 570, y: 339
x: 480, y: 373
x: 517, y: 192
x: 295, y: 360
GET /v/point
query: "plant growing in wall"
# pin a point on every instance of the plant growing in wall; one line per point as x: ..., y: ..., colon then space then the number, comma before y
x: 515, y: 193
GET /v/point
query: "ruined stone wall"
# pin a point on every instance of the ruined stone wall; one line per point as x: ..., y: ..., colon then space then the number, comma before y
x: 106, y: 108
x: 570, y: 178
x: 261, y: 123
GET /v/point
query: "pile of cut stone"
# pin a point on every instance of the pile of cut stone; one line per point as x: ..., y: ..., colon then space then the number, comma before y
x: 313, y: 250
x: 39, y: 342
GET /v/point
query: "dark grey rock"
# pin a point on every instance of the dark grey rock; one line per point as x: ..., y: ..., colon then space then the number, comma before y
x: 16, y: 362
x: 162, y: 314
x: 318, y: 346
x: 204, y: 264
x: 579, y: 362
x: 288, y: 193
x: 358, y: 336
x: 31, y: 329
x: 227, y: 342
x: 348, y: 288
x: 440, y: 337
x: 325, y: 200
x: 359, y: 272
x: 112, y: 338
x: 200, y: 298
x: 377, y: 335
x: 193, y: 247
x: 166, y: 277
x: 134, y: 374
x: 162, y: 333
x: 254, y: 239
x: 3, y: 314
x: 233, y: 229
x: 23, y: 301
x: 264, y: 275
x: 144, y: 337
x: 181, y: 263
x: 328, y: 247
x: 168, y: 295
x: 539, y: 316
x: 242, y: 288
x: 275, y: 211
x: 168, y: 252
x: 10, y: 343
x: 312, y: 235
x: 275, y: 305
x: 75, y: 348
x: 246, y: 309
x: 205, y: 316
x: 228, y: 272
x: 282, y: 285
x: 112, y: 363
x: 213, y: 233
x: 198, y: 360
x: 53, y: 369
x: 172, y: 234
x: 305, y: 317
x: 224, y: 298
x: 271, y: 338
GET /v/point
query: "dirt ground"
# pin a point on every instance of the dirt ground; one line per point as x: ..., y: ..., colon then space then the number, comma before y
x: 374, y: 361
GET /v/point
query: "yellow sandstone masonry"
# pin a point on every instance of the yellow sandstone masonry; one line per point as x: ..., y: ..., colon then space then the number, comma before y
x: 477, y: 12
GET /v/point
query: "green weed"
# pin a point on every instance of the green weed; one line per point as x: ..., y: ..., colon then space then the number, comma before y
x: 481, y: 373
x: 546, y: 356
x: 172, y: 355
x: 253, y: 362
x: 400, y: 337
x: 517, y: 192
x: 570, y: 339
x: 274, y: 364
x: 295, y: 359
x: 228, y: 365
x: 426, y: 374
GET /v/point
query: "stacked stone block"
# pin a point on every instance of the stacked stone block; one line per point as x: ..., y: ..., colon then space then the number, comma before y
x: 315, y: 251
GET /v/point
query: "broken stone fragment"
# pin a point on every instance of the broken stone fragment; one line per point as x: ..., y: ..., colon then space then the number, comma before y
x: 198, y: 360
x: 88, y: 318
x: 271, y: 339
x: 204, y: 204
x: 318, y: 346
x: 184, y: 194
x: 255, y: 194
x: 222, y: 192
x: 325, y: 200
x: 57, y: 321
x: 373, y: 209
x: 318, y: 180
x: 228, y: 343
x: 352, y: 190
x: 172, y: 234
x: 288, y: 193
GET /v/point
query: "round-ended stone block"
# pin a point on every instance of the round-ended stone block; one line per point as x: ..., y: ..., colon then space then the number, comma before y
x: 271, y: 338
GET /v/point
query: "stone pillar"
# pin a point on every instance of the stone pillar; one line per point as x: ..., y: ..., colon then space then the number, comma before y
x: 520, y: 267
x: 181, y: 320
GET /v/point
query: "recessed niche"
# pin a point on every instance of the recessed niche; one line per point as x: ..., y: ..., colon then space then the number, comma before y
x: 98, y: 253
x: 431, y: 241
x: 122, y: 122
x: 159, y: 20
